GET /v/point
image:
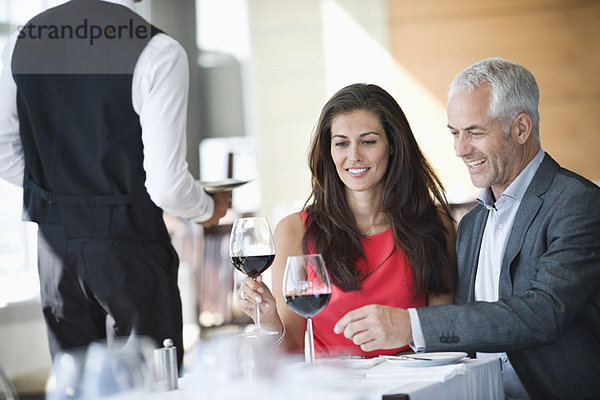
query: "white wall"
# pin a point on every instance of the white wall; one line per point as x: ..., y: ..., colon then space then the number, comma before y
x: 287, y: 91
x: 24, y: 353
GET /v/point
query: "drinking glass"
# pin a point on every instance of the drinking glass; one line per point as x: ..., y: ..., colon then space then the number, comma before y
x: 306, y: 289
x: 116, y: 368
x: 252, y: 250
x: 119, y: 367
x: 7, y: 392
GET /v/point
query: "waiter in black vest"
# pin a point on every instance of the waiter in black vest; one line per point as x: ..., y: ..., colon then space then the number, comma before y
x: 92, y: 124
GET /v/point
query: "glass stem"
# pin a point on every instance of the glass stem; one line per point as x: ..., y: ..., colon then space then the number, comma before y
x: 310, y: 355
x: 256, y: 314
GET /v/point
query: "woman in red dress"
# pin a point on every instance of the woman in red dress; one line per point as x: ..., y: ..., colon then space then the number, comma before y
x: 378, y: 216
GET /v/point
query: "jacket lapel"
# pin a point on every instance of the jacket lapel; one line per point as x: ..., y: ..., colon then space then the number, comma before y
x: 473, y: 256
x: 530, y: 205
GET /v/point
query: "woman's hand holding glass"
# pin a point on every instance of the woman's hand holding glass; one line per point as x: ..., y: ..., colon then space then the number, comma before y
x: 253, y: 292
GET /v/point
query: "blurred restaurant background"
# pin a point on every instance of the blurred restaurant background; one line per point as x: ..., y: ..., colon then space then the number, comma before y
x: 260, y: 72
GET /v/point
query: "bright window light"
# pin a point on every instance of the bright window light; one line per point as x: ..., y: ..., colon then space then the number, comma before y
x: 18, y: 249
x: 351, y: 53
x: 3, y: 11
x: 23, y: 10
x: 223, y: 27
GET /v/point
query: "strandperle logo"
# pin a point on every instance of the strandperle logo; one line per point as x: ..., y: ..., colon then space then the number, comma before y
x: 84, y: 31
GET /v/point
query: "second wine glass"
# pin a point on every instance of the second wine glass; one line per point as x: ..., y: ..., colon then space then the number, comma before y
x: 252, y: 251
x: 306, y: 289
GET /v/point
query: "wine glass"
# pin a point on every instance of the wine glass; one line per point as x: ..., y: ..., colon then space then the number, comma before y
x: 118, y: 367
x: 105, y: 369
x: 306, y: 289
x: 252, y: 250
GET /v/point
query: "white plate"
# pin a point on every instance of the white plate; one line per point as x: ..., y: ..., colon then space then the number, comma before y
x: 222, y: 186
x: 350, y: 362
x: 426, y: 359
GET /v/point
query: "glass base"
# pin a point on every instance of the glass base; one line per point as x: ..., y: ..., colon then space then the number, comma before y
x: 257, y: 331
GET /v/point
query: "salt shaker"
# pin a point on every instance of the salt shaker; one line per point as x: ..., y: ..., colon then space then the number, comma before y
x: 165, y: 366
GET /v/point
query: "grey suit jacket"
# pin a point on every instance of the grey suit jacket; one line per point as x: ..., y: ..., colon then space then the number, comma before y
x: 547, y: 317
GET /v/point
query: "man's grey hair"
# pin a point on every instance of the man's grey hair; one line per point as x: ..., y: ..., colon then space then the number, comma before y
x: 513, y: 90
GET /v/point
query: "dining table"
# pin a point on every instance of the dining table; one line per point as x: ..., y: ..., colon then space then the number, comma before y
x: 343, y: 378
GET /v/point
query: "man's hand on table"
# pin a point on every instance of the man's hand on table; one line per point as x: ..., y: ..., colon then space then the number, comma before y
x: 376, y: 327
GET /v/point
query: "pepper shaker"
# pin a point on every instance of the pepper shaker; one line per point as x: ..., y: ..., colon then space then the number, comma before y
x: 165, y: 366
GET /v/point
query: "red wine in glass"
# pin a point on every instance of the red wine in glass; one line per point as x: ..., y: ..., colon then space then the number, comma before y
x: 252, y: 266
x: 252, y: 250
x: 308, y: 305
x: 306, y: 289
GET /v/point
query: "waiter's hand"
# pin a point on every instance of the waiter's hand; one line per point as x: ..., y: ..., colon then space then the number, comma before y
x: 376, y: 327
x: 222, y: 203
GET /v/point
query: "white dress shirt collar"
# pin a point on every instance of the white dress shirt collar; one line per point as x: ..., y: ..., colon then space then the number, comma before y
x: 516, y: 190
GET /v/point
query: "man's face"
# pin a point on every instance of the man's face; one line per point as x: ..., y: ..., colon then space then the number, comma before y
x: 491, y: 157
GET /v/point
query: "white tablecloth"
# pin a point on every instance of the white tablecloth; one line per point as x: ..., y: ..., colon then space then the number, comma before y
x: 469, y: 379
x: 480, y: 379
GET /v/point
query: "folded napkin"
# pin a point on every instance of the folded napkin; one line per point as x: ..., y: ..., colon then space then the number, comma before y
x: 388, y: 371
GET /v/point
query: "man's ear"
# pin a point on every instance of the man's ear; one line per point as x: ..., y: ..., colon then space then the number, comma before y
x: 522, y: 126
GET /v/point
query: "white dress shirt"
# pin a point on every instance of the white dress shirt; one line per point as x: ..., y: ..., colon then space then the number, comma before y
x: 159, y: 96
x: 502, y: 213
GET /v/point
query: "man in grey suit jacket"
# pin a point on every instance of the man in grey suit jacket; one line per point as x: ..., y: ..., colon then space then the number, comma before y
x: 528, y: 255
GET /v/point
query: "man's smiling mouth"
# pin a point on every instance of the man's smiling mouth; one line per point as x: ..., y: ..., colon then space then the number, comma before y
x: 474, y: 164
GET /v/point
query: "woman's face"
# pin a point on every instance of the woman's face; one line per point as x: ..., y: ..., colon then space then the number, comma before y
x: 360, y: 150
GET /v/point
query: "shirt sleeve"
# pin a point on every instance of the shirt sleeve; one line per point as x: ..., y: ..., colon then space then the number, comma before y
x: 418, y: 344
x: 160, y: 97
x: 12, y: 163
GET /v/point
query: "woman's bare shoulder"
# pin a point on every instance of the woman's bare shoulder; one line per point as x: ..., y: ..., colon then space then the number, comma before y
x: 291, y: 226
x: 289, y: 233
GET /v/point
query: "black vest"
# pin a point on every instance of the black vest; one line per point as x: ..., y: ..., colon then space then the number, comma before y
x: 73, y: 67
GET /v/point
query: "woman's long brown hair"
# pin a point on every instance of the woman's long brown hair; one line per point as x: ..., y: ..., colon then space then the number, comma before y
x: 411, y: 190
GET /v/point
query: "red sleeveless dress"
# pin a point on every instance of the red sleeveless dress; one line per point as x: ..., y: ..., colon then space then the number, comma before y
x: 388, y: 283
